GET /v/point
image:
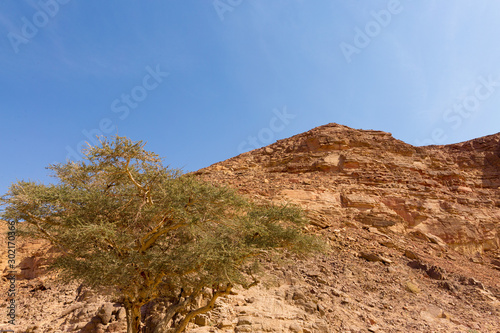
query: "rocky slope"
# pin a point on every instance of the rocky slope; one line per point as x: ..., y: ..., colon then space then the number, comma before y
x: 414, y: 233
x: 451, y: 193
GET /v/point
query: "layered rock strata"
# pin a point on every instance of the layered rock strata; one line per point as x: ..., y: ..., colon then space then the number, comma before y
x: 449, y: 194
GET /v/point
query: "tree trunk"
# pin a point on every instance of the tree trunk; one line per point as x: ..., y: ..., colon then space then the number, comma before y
x: 181, y: 326
x: 163, y: 325
x: 133, y: 311
x: 204, y: 309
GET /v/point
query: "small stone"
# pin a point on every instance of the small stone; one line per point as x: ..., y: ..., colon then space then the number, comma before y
x: 474, y: 282
x: 225, y: 323
x: 411, y: 287
x: 121, y: 314
x: 345, y: 300
x: 388, y: 244
x: 321, y: 309
x: 86, y: 295
x: 411, y: 255
x: 370, y: 256
x: 243, y: 328
x: 415, y: 264
x: 320, y: 327
x: 320, y: 279
x: 496, y: 262
x: 444, y: 315
x: 250, y: 299
x: 447, y: 285
x: 336, y: 292
x: 72, y: 308
x: 105, y: 313
x: 116, y: 327
x: 245, y: 320
x: 436, y: 273
x: 295, y: 327
x: 79, y: 326
x: 385, y: 260
x: 298, y: 295
x: 201, y: 320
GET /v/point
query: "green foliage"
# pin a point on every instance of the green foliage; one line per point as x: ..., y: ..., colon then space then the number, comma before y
x: 123, y: 220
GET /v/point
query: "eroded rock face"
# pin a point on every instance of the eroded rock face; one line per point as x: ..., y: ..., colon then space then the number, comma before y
x: 392, y: 213
x: 339, y: 174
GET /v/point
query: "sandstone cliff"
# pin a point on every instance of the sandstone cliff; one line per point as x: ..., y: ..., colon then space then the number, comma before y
x: 448, y: 193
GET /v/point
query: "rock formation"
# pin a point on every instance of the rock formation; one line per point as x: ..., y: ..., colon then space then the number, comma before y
x: 414, y: 235
x: 449, y: 193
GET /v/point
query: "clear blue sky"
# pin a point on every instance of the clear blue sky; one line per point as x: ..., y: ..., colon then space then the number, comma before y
x: 204, y: 80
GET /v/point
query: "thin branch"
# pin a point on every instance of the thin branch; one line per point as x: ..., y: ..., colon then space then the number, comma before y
x: 117, y: 250
x: 141, y: 188
x: 122, y: 208
x: 158, y: 226
x: 129, y: 175
x: 158, y: 280
x: 254, y: 282
x: 143, y: 203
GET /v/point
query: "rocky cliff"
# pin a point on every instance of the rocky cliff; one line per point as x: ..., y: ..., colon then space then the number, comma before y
x: 448, y: 193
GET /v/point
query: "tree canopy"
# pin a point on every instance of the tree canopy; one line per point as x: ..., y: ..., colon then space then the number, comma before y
x: 124, y: 221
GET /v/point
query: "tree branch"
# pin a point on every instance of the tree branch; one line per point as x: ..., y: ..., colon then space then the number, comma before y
x: 155, y: 236
x: 36, y: 222
x: 203, y: 309
x: 158, y: 226
x: 176, y: 308
x: 143, y: 203
x: 129, y: 175
x: 145, y: 192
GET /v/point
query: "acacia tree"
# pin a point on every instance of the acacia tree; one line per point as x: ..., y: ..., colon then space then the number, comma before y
x: 123, y: 220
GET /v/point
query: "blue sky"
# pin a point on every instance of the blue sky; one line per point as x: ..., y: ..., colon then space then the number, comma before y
x: 202, y: 81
